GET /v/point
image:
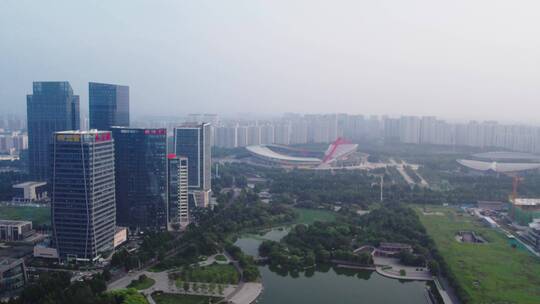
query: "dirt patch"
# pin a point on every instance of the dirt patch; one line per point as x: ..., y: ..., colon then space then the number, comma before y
x: 469, y: 237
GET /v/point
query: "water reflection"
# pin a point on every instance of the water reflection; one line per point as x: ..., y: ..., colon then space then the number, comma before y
x: 326, y: 283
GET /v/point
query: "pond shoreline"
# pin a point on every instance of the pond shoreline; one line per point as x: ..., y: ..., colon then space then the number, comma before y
x: 334, y: 282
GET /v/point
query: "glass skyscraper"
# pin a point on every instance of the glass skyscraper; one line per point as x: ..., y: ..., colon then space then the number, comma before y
x: 193, y: 141
x: 83, y: 194
x: 141, y: 177
x: 109, y: 105
x: 52, y: 107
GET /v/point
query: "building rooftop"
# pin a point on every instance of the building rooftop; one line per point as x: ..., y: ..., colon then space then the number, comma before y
x: 29, y: 184
x: 527, y: 201
x: 497, y: 167
x: 82, y: 132
x: 395, y: 245
x: 192, y: 125
x: 87, y: 136
x: 13, y: 223
x: 266, y: 152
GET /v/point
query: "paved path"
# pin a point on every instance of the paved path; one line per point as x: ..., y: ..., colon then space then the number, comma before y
x: 401, y: 171
x: 422, y: 274
x: 411, y: 274
x: 212, y: 259
x: 444, y: 295
x: 248, y: 294
x: 243, y: 293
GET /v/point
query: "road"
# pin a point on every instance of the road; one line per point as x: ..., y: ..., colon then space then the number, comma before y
x: 401, y: 171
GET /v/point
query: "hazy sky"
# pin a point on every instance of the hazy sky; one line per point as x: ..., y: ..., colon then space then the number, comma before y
x: 464, y: 58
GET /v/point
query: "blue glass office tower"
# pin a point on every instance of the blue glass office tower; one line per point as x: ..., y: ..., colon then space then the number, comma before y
x: 109, y: 105
x: 83, y: 194
x: 52, y: 107
x: 141, y: 177
x: 193, y: 141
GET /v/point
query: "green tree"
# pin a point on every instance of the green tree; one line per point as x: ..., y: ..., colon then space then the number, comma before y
x: 434, y: 267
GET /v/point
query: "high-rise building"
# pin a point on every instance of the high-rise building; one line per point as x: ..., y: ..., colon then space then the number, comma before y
x: 141, y: 177
x: 242, y: 136
x: 254, y: 135
x: 282, y: 133
x: 226, y: 137
x: 51, y: 107
x: 299, y: 132
x: 428, y: 129
x: 193, y: 141
x: 177, y: 180
x: 391, y: 129
x: 267, y: 134
x: 109, y: 105
x: 83, y: 194
x: 409, y: 129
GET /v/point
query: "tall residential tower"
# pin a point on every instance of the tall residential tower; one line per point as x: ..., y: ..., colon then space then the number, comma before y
x: 177, y: 180
x: 50, y: 108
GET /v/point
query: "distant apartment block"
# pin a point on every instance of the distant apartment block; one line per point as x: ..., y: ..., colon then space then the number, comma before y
x: 325, y: 128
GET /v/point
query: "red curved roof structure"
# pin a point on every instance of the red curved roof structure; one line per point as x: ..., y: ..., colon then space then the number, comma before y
x: 338, y: 148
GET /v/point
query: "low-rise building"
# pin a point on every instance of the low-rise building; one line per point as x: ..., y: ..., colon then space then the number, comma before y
x: 533, y: 234
x: 12, y: 275
x: 29, y: 192
x: 120, y: 236
x: 15, y: 230
x: 46, y: 252
x: 392, y: 249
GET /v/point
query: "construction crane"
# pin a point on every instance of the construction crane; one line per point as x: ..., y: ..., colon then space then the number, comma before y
x: 516, y: 180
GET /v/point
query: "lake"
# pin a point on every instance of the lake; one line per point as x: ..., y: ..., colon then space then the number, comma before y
x: 328, y: 284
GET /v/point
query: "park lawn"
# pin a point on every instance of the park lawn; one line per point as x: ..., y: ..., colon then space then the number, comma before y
x: 220, y: 258
x: 38, y: 215
x: 146, y: 283
x: 215, y: 273
x: 167, y: 298
x: 489, y: 273
x: 128, y: 296
x: 309, y: 216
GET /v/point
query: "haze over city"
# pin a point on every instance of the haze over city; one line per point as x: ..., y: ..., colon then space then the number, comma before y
x: 458, y: 60
x: 269, y: 152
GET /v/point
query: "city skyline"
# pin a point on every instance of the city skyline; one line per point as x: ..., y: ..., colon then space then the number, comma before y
x: 414, y: 58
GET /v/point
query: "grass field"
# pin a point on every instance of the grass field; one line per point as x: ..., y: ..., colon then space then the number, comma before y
x: 38, y: 215
x: 167, y: 298
x: 220, y: 258
x: 309, y: 216
x: 215, y: 273
x: 489, y: 273
x: 140, y: 285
